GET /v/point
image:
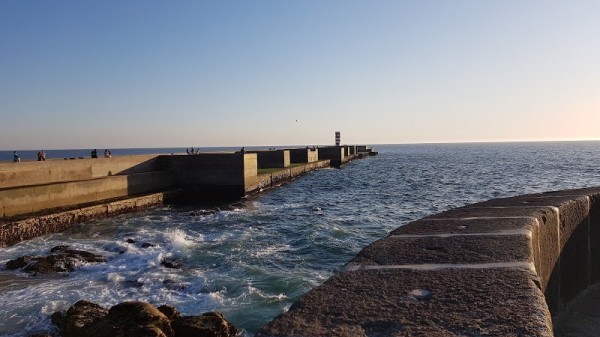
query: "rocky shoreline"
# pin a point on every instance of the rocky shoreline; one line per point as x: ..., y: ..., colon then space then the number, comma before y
x: 138, y: 319
x: 127, y: 319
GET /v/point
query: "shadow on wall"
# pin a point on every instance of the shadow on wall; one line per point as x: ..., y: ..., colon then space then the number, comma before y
x: 578, y: 266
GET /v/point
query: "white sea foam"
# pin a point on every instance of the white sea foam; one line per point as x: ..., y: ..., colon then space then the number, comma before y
x: 263, y: 251
x: 271, y: 298
x: 179, y: 240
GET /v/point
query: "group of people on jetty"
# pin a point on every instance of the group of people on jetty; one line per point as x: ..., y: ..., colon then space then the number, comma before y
x: 107, y: 153
x: 191, y: 151
x: 41, y: 155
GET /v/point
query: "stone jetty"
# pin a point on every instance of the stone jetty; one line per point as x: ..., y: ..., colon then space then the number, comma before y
x: 504, y: 267
x: 38, y: 198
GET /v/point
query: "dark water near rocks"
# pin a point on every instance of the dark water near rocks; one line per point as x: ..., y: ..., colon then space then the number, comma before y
x: 252, y: 259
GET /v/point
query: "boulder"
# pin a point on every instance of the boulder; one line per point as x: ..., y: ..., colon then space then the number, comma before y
x: 136, y: 314
x: 170, y: 263
x: 210, y: 324
x: 61, y: 259
x: 81, y: 314
x: 138, y: 319
x: 170, y: 311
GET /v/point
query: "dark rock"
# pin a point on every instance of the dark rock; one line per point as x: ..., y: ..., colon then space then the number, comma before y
x: 133, y: 283
x: 80, y: 315
x: 170, y: 311
x: 173, y: 285
x: 62, y: 259
x: 130, y: 241
x: 59, y: 249
x: 138, y: 319
x: 148, y: 244
x: 210, y: 324
x: 21, y: 262
x: 170, y: 263
x: 204, y: 212
x: 140, y: 314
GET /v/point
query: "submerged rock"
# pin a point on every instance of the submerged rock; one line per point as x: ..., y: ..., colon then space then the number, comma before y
x: 138, y: 319
x: 61, y: 259
x: 170, y: 263
x: 173, y: 285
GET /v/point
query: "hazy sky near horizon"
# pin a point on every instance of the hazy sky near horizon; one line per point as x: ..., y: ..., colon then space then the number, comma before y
x: 115, y: 73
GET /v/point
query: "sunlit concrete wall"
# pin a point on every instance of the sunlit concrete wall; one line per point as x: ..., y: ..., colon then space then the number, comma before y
x: 268, y: 180
x: 30, y: 199
x: 57, y: 170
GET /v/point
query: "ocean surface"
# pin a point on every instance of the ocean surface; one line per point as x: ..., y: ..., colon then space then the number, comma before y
x: 253, y: 258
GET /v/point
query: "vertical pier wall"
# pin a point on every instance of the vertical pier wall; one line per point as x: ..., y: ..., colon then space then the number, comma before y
x: 272, y: 158
x: 335, y: 154
x: 304, y: 155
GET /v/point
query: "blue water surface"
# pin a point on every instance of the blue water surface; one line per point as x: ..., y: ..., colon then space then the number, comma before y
x: 253, y: 258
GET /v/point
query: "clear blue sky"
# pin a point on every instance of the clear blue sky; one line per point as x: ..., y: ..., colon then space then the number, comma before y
x: 108, y: 74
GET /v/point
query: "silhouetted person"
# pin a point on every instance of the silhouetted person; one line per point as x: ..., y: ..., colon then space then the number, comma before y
x: 94, y: 153
x: 107, y: 153
x: 41, y: 156
x: 16, y: 157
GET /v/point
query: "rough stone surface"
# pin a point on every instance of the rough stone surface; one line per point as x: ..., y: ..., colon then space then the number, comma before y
x: 442, y: 250
x: 77, y: 317
x: 207, y: 325
x: 480, y: 211
x: 24, y: 229
x: 464, y: 226
x: 138, y: 319
x: 449, y: 302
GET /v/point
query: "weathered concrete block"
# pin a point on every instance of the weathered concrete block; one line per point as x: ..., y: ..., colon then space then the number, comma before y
x: 466, y: 226
x: 335, y: 154
x: 402, y: 302
x: 213, y: 174
x: 479, y: 249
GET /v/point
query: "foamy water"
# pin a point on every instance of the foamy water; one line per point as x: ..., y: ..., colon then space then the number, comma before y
x: 254, y: 258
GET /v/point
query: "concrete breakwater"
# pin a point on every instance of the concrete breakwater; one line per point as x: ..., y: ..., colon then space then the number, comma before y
x: 38, y: 198
x: 504, y: 267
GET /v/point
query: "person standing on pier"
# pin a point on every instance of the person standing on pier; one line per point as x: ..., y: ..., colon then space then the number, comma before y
x: 16, y: 157
x: 94, y: 153
x: 107, y: 154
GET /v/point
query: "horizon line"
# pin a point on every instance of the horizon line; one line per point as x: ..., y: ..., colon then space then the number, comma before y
x: 303, y: 145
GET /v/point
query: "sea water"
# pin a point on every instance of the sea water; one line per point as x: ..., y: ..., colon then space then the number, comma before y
x: 253, y: 258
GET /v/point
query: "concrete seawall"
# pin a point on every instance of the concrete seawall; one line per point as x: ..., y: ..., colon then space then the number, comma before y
x: 32, y: 191
x: 13, y: 232
x: 504, y: 267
